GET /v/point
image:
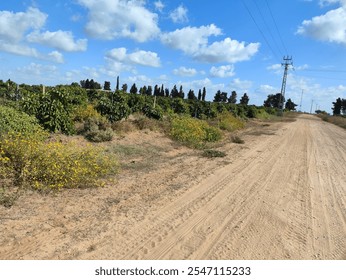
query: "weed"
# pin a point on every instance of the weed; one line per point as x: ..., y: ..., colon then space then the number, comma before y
x: 236, y: 139
x: 213, y: 153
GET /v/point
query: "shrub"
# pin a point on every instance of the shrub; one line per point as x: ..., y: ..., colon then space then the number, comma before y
x: 229, y: 123
x: 12, y: 120
x: 237, y: 140
x: 153, y: 113
x: 213, y: 153
x: 97, y: 129
x: 28, y: 162
x: 82, y: 113
x: 193, y: 132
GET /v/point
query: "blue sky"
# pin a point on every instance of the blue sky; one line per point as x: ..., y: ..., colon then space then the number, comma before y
x: 221, y: 45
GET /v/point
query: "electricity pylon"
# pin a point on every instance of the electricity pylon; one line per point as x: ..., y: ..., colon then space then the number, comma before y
x: 287, y: 62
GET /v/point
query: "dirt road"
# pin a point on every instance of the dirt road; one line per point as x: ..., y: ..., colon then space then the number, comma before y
x: 281, y: 196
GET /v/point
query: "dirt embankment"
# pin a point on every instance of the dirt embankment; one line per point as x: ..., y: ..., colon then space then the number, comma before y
x: 281, y: 195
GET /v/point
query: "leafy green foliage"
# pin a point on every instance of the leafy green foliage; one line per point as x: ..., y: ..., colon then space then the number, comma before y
x: 113, y: 106
x: 193, y: 132
x: 12, y: 120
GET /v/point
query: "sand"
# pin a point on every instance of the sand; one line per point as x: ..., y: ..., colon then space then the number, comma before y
x: 280, y: 195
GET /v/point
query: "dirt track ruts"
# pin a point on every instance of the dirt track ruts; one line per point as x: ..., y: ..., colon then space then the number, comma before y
x: 281, y: 196
x: 284, y: 198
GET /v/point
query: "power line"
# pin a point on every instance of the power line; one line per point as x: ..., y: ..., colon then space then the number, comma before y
x: 267, y: 27
x: 259, y: 29
x: 276, y: 27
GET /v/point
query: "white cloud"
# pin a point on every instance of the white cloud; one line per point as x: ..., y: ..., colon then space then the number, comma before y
x: 330, y: 27
x: 159, y: 6
x: 197, y: 37
x: 186, y: 72
x: 197, y: 46
x: 241, y: 85
x: 61, y: 40
x: 13, y: 26
x: 38, y: 69
x: 228, y: 50
x: 110, y: 19
x: 274, y: 67
x: 223, y: 71
x: 179, y: 15
x: 145, y: 58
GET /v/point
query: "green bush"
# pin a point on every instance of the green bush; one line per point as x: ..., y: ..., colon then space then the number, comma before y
x: 153, y: 113
x: 12, y: 120
x: 228, y: 122
x: 28, y: 162
x: 193, y: 132
x: 97, y: 129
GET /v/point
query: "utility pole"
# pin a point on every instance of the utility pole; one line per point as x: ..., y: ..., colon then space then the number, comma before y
x: 287, y: 62
x: 301, y: 99
x: 312, y: 103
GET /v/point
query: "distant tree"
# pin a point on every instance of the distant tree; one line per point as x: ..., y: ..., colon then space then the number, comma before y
x: 220, y: 96
x: 156, y: 90
x: 233, y: 98
x: 244, y: 100
x: 107, y: 85
x: 149, y: 91
x: 204, y: 93
x: 273, y: 101
x: 166, y: 92
x: 162, y: 91
x: 199, y: 94
x: 117, y: 86
x: 343, y: 107
x: 87, y: 84
x: 290, y: 106
x: 181, y: 92
x: 337, y: 107
x: 133, y: 89
x: 191, y: 95
x: 124, y: 87
x: 174, y: 92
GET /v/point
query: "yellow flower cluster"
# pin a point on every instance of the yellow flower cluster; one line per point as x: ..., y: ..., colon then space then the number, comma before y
x: 53, y: 165
x: 229, y: 122
x: 193, y: 132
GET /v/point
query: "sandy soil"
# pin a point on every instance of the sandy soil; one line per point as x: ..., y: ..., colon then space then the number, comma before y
x: 281, y: 195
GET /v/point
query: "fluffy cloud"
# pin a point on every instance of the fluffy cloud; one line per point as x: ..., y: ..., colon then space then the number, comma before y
x: 110, y: 19
x: 13, y: 26
x: 61, y: 40
x: 194, y: 41
x: 222, y: 71
x: 185, y: 72
x: 18, y: 30
x: 145, y: 58
x: 179, y: 15
x: 159, y: 6
x: 330, y: 27
x: 190, y: 39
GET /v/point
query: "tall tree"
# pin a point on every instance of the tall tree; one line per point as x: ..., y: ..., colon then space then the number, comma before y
x: 290, y: 106
x: 191, y: 95
x: 124, y: 88
x: 181, y: 92
x: 107, y: 85
x: 204, y: 93
x: 273, y: 101
x: 244, y: 100
x: 133, y: 89
x: 117, y: 87
x: 199, y: 95
x: 174, y: 92
x: 337, y: 107
x: 233, y: 98
x: 220, y: 96
x: 156, y: 90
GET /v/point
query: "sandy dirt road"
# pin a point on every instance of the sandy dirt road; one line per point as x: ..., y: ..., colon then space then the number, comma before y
x: 283, y: 196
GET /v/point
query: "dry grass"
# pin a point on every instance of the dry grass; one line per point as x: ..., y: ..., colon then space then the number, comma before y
x: 337, y: 120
